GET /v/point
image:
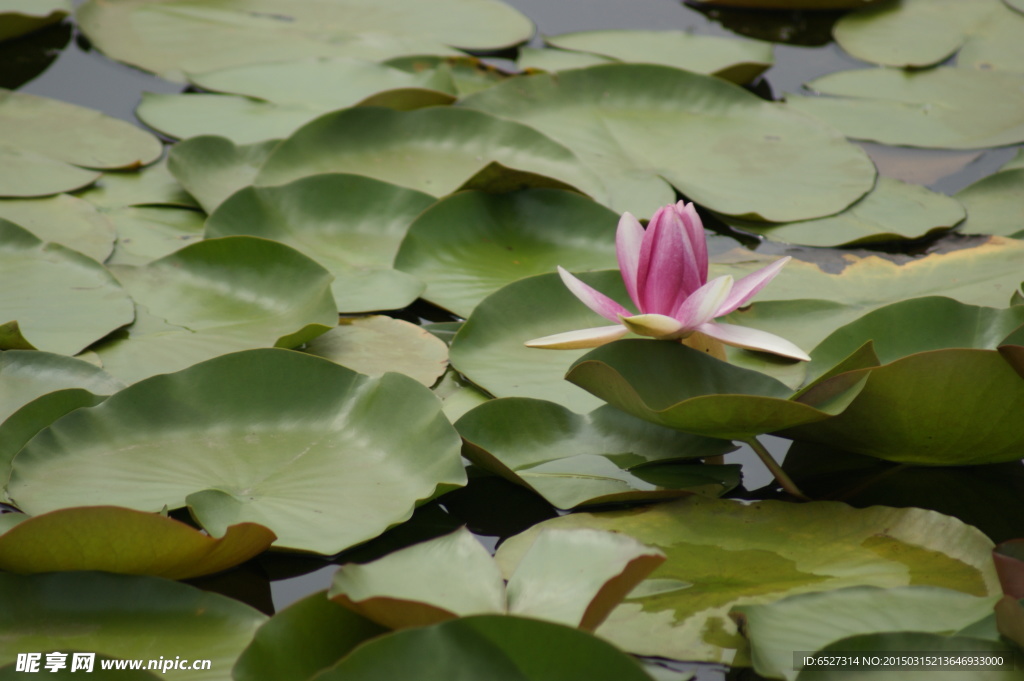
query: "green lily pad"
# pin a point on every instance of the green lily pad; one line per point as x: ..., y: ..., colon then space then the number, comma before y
x: 148, y: 233
x: 352, y: 225
x: 646, y: 129
x: 26, y: 173
x: 213, y: 168
x: 987, y: 273
x: 216, y: 296
x: 434, y: 150
x: 124, y: 616
x: 679, y: 387
x: 893, y: 210
x: 461, y: 75
x: 926, y: 32
x: 911, y: 32
x: 18, y: 17
x: 888, y: 645
x: 809, y: 622
x: 54, y: 299
x: 274, y: 437
x: 945, y: 108
x: 121, y: 540
x: 302, y: 639
x: 547, y: 59
x: 572, y: 459
x: 451, y: 576
x: 242, y: 120
x: 326, y: 83
x: 492, y: 647
x: 73, y: 134
x: 217, y: 37
x: 64, y: 220
x: 469, y: 245
x: 993, y: 204
x: 570, y: 577
x: 458, y: 395
x: 376, y: 344
x: 489, y: 349
x: 940, y: 365
x: 39, y: 388
x: 726, y: 553
x: 735, y: 59
x: 151, y: 186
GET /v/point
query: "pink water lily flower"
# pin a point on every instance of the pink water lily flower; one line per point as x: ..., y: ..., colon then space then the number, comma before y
x: 665, y: 268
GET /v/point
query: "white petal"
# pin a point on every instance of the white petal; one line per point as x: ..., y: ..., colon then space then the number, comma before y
x: 655, y: 326
x: 583, y: 338
x: 753, y: 339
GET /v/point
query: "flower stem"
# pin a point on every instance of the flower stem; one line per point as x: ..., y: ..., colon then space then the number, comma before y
x: 781, y: 476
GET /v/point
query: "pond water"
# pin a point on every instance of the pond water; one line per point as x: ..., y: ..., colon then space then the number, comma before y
x: 81, y: 76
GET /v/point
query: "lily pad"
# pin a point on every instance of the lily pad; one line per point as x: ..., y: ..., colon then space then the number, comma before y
x: 324, y: 83
x: 73, y: 134
x: 148, y: 233
x: 679, y: 387
x: 469, y: 245
x: 726, y: 553
x: 302, y: 639
x: 987, y: 273
x: 213, y: 168
x: 911, y: 32
x: 493, y: 647
x: 224, y: 35
x: 376, y: 344
x: 151, y: 186
x: 601, y: 457
x: 18, y: 17
x: 54, y: 298
x: 434, y: 150
x: 124, y: 541
x: 571, y: 577
x: 945, y: 108
x: 461, y: 75
x: 893, y: 210
x: 809, y: 622
x: 649, y: 130
x: 458, y: 395
x: 993, y: 205
x: 548, y: 59
x: 26, y: 173
x: 283, y: 439
x: 352, y: 225
x: 242, y: 120
x: 920, y: 33
x: 39, y: 388
x: 216, y: 296
x: 954, y: 389
x: 124, y: 616
x: 489, y: 349
x: 65, y: 220
x: 734, y: 59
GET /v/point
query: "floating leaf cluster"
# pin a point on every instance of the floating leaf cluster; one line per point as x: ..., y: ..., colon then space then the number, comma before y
x: 292, y: 336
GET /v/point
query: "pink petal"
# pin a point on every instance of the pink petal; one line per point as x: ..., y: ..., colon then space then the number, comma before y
x: 695, y: 229
x: 753, y: 339
x: 592, y: 298
x: 703, y: 305
x: 583, y: 338
x: 747, y: 287
x: 654, y: 325
x: 664, y: 259
x: 628, y: 240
